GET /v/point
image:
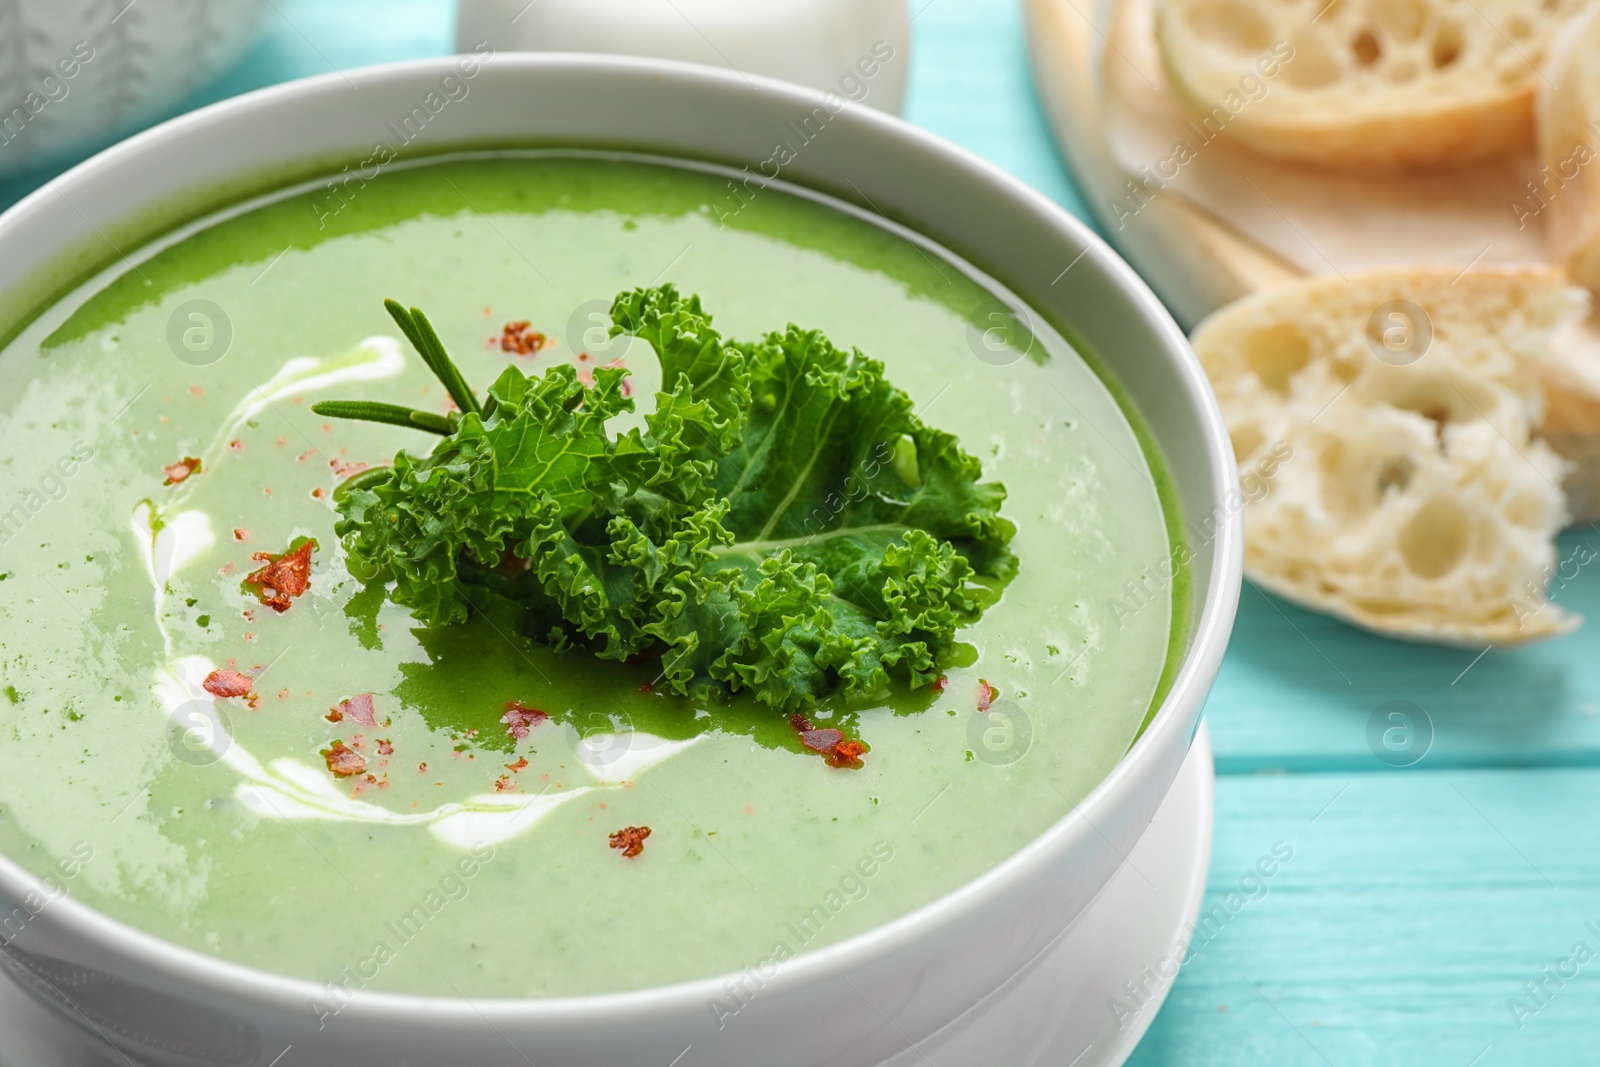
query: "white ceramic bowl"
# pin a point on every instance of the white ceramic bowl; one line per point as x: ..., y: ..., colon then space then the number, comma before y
x: 169, y: 1006
x: 74, y: 73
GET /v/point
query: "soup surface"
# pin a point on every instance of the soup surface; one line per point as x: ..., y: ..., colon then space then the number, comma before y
x: 470, y: 857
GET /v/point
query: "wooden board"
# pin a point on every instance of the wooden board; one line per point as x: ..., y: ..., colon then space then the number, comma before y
x: 1095, y: 68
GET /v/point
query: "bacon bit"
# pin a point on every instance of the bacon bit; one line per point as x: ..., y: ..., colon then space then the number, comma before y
x: 341, y: 469
x: 835, y: 748
x: 422, y: 768
x: 987, y: 695
x: 941, y: 684
x: 282, y: 578
x: 521, y: 339
x: 504, y: 784
x: 343, y: 762
x: 241, y: 534
x: 385, y: 747
x: 318, y: 493
x: 181, y: 470
x: 630, y: 840
x: 236, y: 445
x: 512, y: 564
x: 228, y: 684
x: 519, y: 766
x: 283, y: 694
x: 358, y: 707
x: 519, y: 719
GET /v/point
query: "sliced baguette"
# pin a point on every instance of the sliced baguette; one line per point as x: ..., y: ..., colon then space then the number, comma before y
x: 1569, y: 142
x: 1409, y: 498
x: 1363, y: 84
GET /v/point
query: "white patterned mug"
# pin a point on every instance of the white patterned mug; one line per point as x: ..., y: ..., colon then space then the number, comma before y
x: 76, y: 73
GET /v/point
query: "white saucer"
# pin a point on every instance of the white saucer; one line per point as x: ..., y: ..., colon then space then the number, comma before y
x: 1057, y: 1011
x: 1125, y: 947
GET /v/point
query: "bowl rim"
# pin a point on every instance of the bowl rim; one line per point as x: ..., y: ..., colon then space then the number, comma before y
x: 1207, y: 636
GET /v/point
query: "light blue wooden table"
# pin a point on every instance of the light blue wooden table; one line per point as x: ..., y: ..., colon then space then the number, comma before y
x: 1419, y: 901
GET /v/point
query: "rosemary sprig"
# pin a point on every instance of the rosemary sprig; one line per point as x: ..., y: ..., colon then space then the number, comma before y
x: 420, y: 332
x: 393, y: 414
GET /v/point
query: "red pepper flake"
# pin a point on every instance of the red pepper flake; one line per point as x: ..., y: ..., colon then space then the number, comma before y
x: 837, y: 749
x: 241, y: 534
x: 422, y: 768
x: 318, y: 493
x: 358, y: 708
x: 647, y: 688
x: 521, y: 339
x: 504, y: 784
x: 519, y: 766
x: 195, y: 390
x: 341, y: 469
x: 181, y: 470
x: 227, y: 684
x: 987, y: 695
x: 236, y: 445
x: 630, y: 840
x: 343, y: 762
x: 385, y: 747
x: 941, y: 684
x: 520, y: 719
x: 282, y: 578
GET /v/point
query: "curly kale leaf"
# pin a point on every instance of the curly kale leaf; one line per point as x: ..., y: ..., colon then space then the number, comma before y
x: 784, y: 524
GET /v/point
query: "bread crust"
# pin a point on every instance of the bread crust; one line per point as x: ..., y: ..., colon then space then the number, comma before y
x: 1368, y: 89
x: 1569, y: 143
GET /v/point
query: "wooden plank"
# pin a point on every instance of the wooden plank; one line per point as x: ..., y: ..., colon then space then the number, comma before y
x: 1298, y: 689
x: 1413, y: 909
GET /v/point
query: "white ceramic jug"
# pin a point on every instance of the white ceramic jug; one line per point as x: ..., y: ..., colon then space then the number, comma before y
x: 859, y: 49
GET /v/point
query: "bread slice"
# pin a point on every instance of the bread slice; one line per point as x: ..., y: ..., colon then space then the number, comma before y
x: 1363, y: 84
x: 1408, y: 494
x: 1568, y: 191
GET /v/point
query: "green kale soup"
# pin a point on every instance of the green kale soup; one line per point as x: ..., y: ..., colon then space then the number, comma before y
x: 242, y: 735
